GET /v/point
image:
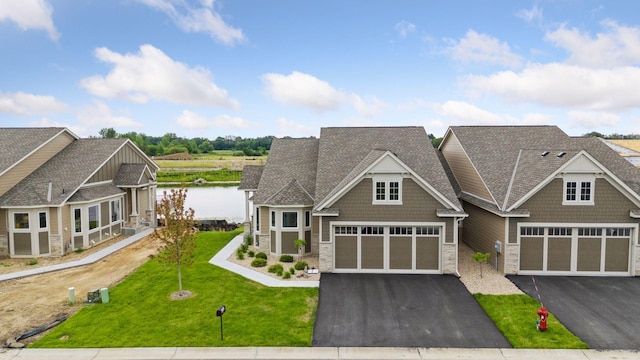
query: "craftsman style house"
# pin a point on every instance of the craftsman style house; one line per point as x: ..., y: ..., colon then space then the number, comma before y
x: 59, y: 192
x: 542, y: 202
x: 364, y: 199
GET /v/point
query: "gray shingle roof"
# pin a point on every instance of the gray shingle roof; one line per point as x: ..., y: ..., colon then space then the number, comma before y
x: 92, y: 193
x: 343, y: 149
x: 251, y: 175
x: 67, y: 171
x: 291, y: 194
x: 508, y: 158
x: 16, y: 143
x: 129, y: 174
x: 288, y: 159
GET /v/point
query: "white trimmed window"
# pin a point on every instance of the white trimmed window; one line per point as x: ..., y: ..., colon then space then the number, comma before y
x: 578, y: 190
x: 387, y: 190
x: 289, y: 219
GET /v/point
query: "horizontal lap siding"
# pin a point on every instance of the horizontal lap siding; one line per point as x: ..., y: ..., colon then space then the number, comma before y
x: 463, y: 170
x: 481, y: 230
x: 34, y: 161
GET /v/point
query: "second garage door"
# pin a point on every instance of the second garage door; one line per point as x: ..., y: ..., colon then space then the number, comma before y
x: 397, y: 249
x: 575, y: 250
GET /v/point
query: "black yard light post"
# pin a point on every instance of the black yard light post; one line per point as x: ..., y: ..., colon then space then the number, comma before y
x: 219, y: 314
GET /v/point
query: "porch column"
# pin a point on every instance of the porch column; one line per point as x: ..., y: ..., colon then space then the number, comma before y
x: 247, y: 221
x: 134, y: 205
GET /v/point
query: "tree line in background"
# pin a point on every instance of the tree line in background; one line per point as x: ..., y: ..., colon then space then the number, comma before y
x: 170, y: 143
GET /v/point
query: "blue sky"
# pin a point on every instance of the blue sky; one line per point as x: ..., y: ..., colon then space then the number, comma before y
x: 287, y: 68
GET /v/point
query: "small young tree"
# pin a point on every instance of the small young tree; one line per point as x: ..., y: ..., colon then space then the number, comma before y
x: 300, y: 244
x: 481, y: 258
x: 177, y: 234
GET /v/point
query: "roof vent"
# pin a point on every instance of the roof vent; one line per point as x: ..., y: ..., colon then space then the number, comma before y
x: 544, y: 153
x: 561, y: 154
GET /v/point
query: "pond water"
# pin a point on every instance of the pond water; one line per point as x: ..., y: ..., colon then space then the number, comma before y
x: 214, y: 202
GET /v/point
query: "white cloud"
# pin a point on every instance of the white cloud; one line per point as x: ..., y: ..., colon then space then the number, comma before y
x: 78, y: 130
x: 484, y: 49
x: 152, y: 75
x: 305, y: 90
x: 617, y: 46
x: 100, y: 115
x: 191, y: 120
x: 468, y: 113
x: 290, y: 128
x: 592, y: 119
x: 28, y: 104
x: 198, y: 19
x: 532, y: 15
x: 404, y: 28
x: 30, y: 14
x: 565, y: 86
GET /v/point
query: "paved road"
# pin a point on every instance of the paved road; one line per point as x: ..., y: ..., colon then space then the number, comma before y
x: 602, y: 311
x: 401, y: 310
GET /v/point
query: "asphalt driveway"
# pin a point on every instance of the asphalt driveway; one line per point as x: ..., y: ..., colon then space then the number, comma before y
x: 401, y: 310
x: 602, y: 311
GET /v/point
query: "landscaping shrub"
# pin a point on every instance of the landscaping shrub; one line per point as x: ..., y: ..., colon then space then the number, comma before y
x: 261, y: 255
x: 244, y: 247
x: 286, y: 275
x: 239, y: 254
x: 300, y: 265
x: 286, y: 258
x: 251, y: 253
x: 248, y: 239
x: 259, y: 262
x: 292, y: 271
x: 279, y: 273
x: 275, y: 268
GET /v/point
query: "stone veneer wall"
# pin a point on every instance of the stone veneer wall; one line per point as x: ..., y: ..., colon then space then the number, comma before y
x: 265, y: 243
x: 56, y: 245
x: 511, y: 256
x: 449, y: 258
x: 4, y: 245
x: 636, y: 248
x: 325, y: 260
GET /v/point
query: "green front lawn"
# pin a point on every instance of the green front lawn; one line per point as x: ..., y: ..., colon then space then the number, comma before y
x: 515, y: 316
x: 140, y: 313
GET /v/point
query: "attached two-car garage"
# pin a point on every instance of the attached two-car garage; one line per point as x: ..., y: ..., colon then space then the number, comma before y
x: 572, y: 250
x: 391, y: 248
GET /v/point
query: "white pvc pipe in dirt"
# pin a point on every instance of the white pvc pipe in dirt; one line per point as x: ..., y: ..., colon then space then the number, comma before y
x: 72, y: 295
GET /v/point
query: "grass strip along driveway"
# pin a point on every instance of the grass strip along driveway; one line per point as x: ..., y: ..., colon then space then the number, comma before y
x: 140, y: 313
x: 515, y: 316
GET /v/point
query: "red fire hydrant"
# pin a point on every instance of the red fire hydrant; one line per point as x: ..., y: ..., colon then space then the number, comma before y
x: 542, y: 323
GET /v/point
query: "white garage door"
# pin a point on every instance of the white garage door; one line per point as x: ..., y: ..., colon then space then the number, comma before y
x: 566, y: 250
x: 393, y: 249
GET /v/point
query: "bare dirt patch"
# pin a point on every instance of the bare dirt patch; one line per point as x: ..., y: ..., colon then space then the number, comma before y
x: 30, y: 302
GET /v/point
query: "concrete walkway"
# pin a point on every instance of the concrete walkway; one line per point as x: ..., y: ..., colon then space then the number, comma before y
x: 220, y: 259
x: 323, y: 353
x: 90, y: 259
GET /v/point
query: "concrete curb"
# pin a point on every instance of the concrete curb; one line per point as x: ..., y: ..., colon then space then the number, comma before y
x: 313, y: 353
